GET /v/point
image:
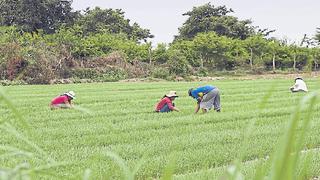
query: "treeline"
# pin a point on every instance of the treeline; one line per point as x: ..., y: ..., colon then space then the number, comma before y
x: 51, y: 42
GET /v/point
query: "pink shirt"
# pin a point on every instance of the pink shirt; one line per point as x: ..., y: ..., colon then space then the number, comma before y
x: 60, y: 100
x: 163, y: 102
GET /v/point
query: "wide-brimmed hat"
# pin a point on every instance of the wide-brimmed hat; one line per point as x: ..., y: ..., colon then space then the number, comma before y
x: 71, y: 94
x: 172, y: 94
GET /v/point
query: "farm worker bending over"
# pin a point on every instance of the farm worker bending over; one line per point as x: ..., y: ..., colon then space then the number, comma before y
x: 299, y: 85
x: 63, y: 101
x: 165, y: 104
x: 206, y: 96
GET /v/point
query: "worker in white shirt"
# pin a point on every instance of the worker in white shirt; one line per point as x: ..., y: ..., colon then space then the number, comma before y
x: 299, y: 85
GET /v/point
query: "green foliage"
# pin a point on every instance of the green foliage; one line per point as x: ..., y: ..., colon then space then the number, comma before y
x: 108, y: 74
x: 85, y: 73
x: 208, y: 18
x: 32, y: 15
x: 160, y: 72
x: 317, y: 35
x: 203, y: 72
x: 178, y: 63
x: 12, y: 83
x: 148, y: 145
x: 112, y: 22
x: 188, y: 49
x: 8, y: 34
x: 159, y: 54
x: 211, y: 49
x: 113, y: 74
x: 210, y: 39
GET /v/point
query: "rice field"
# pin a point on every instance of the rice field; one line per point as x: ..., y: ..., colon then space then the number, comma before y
x: 114, y: 133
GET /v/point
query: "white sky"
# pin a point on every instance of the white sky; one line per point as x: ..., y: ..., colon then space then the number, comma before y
x: 291, y: 18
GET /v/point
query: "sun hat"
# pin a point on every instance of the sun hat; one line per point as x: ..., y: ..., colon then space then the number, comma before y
x: 172, y: 94
x: 71, y: 94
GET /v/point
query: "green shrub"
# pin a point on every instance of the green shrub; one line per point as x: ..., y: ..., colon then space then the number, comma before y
x: 38, y: 73
x: 203, y: 72
x: 85, y: 73
x: 113, y: 74
x: 160, y: 72
x: 12, y: 83
x: 178, y: 63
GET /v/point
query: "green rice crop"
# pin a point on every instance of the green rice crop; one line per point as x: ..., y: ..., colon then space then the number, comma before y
x: 114, y: 133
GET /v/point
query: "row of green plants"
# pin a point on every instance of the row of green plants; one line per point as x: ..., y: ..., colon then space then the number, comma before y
x: 288, y: 161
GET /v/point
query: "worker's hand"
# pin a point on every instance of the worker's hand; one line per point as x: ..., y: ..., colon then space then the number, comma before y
x: 199, y: 100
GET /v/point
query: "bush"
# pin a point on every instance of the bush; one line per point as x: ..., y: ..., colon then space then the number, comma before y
x: 113, y: 74
x: 160, y: 72
x: 85, y: 73
x: 15, y: 67
x: 38, y: 73
x: 203, y: 72
x: 178, y: 63
x: 11, y: 83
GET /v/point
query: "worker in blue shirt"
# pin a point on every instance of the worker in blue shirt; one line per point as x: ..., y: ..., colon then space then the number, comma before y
x: 207, y: 97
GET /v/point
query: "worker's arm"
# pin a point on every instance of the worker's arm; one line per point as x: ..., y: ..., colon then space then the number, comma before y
x: 176, y: 109
x: 173, y: 108
x: 199, y: 99
x: 68, y: 104
x: 155, y: 106
x: 294, y: 88
x: 197, y: 108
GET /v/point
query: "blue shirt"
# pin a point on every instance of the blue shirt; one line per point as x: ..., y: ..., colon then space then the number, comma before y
x: 200, y: 91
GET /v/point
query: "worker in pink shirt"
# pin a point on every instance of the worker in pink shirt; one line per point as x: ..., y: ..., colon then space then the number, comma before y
x: 165, y: 104
x: 63, y: 101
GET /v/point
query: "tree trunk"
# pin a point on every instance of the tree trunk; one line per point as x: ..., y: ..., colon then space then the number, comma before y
x: 150, y: 59
x: 274, y: 63
x: 294, y: 62
x: 251, y: 58
x: 315, y: 64
x: 201, y: 62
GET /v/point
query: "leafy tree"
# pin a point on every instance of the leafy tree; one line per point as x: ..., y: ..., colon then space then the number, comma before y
x: 160, y: 54
x: 303, y: 58
x: 187, y: 48
x: 257, y: 48
x: 317, y: 36
x: 178, y: 63
x: 208, y: 18
x: 31, y: 15
x: 294, y: 51
x: 111, y: 21
x: 212, y: 50
x: 236, y: 53
x: 274, y: 50
x: 315, y: 55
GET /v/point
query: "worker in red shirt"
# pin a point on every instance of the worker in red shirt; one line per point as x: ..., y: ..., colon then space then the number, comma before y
x: 166, y: 105
x: 63, y: 101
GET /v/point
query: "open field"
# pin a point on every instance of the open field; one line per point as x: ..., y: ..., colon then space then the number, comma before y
x: 118, y: 117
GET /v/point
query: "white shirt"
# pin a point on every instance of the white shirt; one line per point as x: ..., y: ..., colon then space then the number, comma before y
x: 300, y: 85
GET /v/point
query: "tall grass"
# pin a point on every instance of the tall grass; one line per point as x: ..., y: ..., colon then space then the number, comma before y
x: 129, y: 140
x: 286, y: 161
x: 24, y: 169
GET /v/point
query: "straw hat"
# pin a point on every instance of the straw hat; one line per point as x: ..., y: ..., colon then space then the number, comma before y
x: 71, y: 94
x: 172, y: 94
